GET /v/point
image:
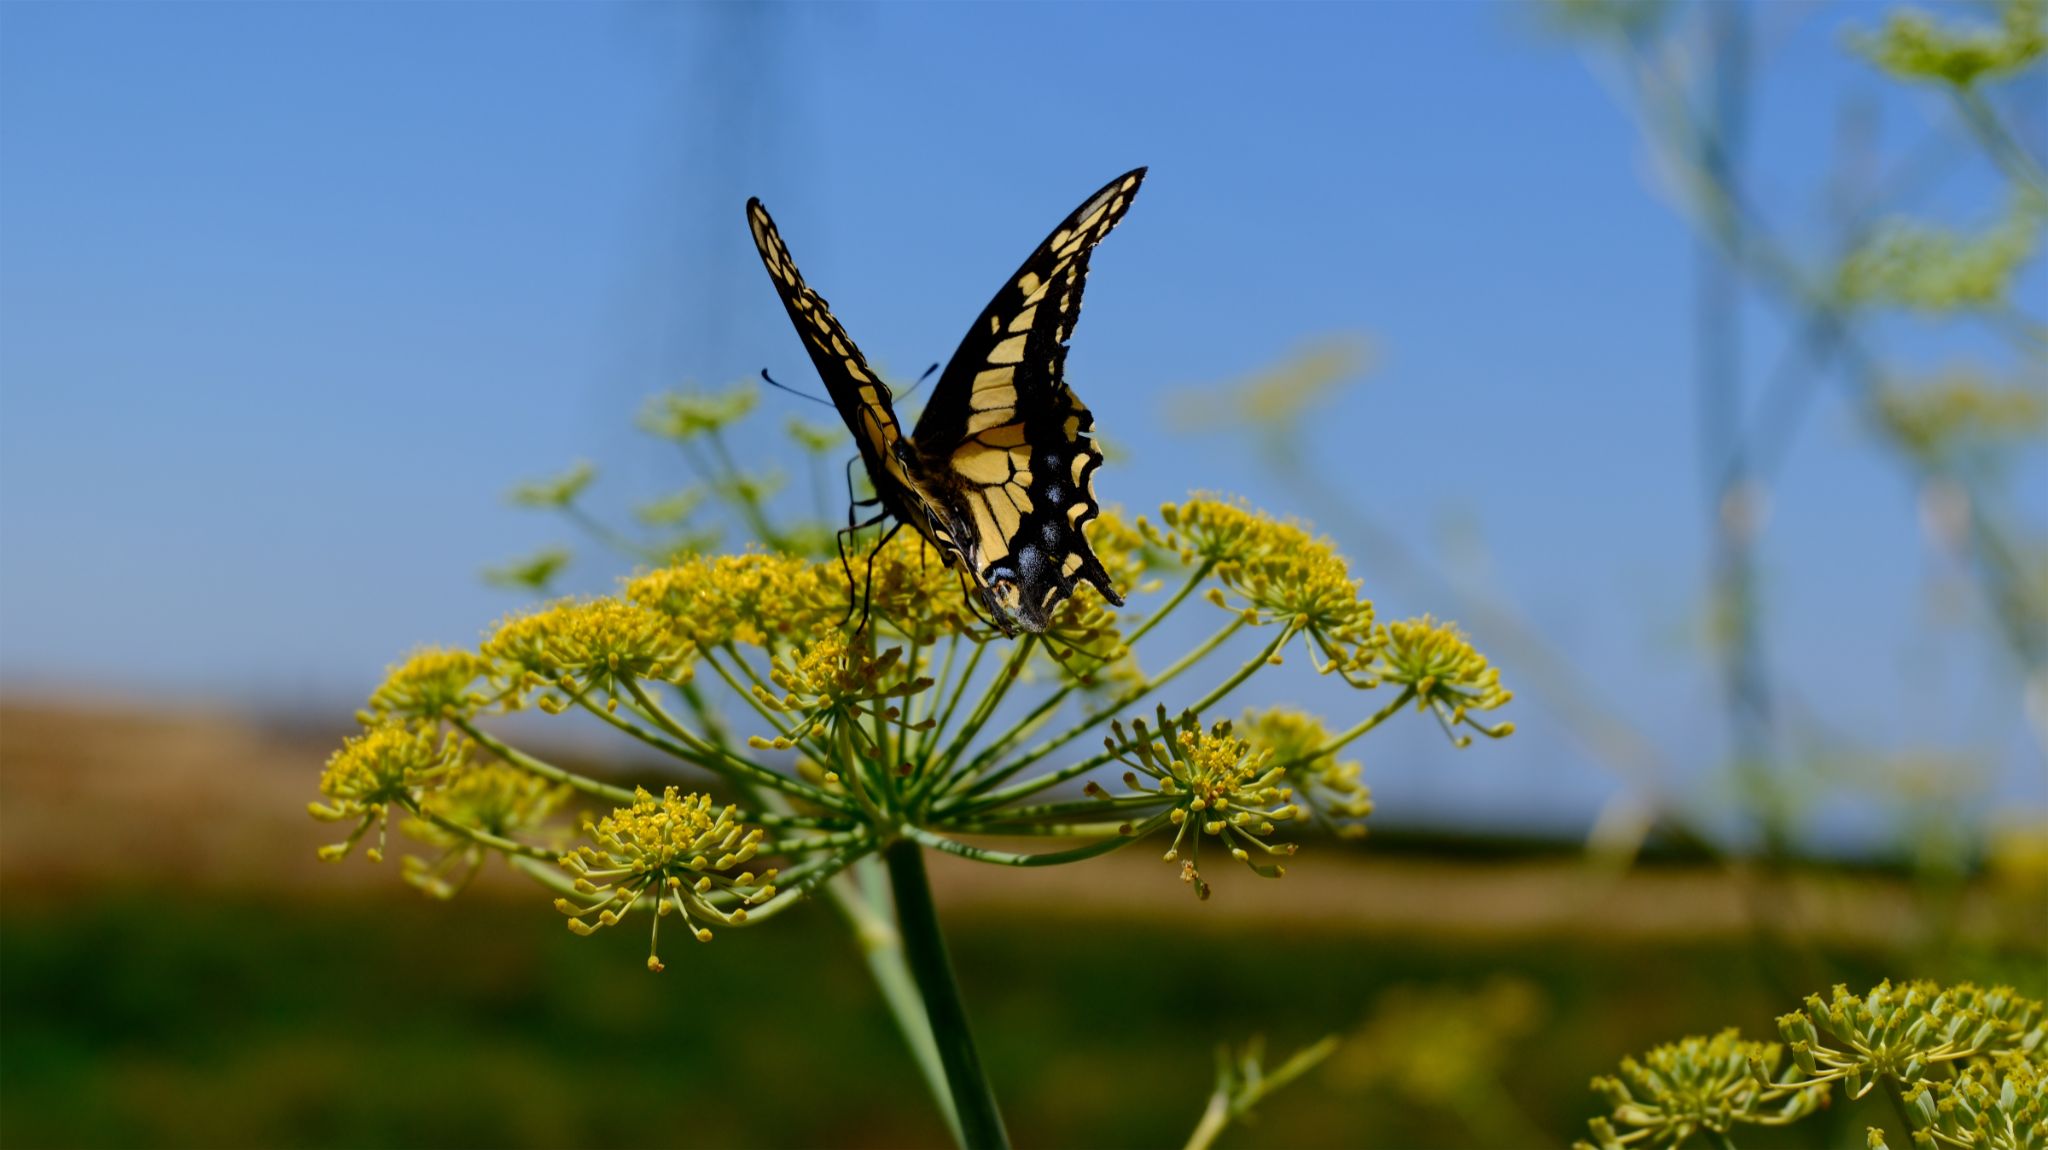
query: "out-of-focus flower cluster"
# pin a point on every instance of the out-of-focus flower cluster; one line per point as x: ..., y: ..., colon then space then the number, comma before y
x: 1914, y: 46
x: 1965, y: 1063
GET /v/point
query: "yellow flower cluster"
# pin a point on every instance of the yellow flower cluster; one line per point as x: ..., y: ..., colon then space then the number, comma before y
x: 911, y: 591
x: 840, y: 675
x: 1959, y: 412
x: 1698, y: 1085
x: 2002, y: 1103
x: 1217, y: 785
x: 673, y: 850
x: 577, y: 643
x: 390, y: 764
x: 1448, y: 677
x: 1932, y: 269
x: 756, y: 599
x: 1914, y: 47
x: 492, y: 798
x: 686, y: 415
x: 1331, y: 791
x: 433, y: 683
x: 1279, y: 571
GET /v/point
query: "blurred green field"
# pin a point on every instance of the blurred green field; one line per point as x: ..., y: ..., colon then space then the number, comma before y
x: 149, y: 1018
x: 177, y: 970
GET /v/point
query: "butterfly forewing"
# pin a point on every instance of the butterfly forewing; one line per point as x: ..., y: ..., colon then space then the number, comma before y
x: 862, y: 398
x: 1006, y: 440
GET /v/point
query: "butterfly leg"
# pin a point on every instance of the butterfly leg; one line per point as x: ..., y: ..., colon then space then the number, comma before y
x: 845, y: 564
x: 868, y: 585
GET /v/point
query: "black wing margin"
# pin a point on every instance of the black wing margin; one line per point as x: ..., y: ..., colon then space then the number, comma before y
x: 1004, y: 425
x: 859, y: 394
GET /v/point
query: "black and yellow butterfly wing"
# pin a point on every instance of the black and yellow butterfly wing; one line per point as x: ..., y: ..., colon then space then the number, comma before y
x: 1004, y: 442
x: 863, y: 400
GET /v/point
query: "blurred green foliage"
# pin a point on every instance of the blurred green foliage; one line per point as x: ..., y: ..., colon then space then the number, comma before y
x: 150, y: 1019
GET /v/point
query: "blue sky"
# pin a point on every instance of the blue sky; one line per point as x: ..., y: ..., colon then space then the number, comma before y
x: 290, y: 294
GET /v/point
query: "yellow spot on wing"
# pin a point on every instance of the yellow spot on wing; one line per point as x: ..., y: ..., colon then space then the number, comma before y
x: 1010, y: 350
x: 1080, y: 464
x: 983, y: 420
x: 984, y: 465
x: 994, y: 379
x: 1024, y: 318
x: 1072, y: 565
x: 994, y: 544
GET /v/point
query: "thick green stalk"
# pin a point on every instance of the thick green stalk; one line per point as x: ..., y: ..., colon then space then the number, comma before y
x: 882, y: 947
x: 981, y: 1124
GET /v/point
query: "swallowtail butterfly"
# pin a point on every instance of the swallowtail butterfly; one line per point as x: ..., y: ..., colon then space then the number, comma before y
x: 999, y: 473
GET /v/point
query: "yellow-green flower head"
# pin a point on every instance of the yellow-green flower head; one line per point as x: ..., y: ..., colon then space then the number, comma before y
x: 392, y: 763
x: 555, y: 490
x: 433, y: 683
x: 1699, y: 1085
x: 578, y: 643
x: 1213, y: 784
x: 1331, y: 791
x: 1913, y: 265
x: 754, y: 599
x: 686, y: 415
x: 1278, y: 571
x: 1913, y: 46
x: 676, y: 852
x: 494, y: 798
x: 1902, y: 1030
x: 1997, y: 1105
x: 838, y: 674
x: 1448, y: 677
x: 910, y: 591
x: 1958, y: 413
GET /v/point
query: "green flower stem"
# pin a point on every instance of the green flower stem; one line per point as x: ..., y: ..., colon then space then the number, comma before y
x: 984, y: 710
x: 969, y: 802
x: 923, y: 741
x: 1227, y: 1103
x: 752, y: 700
x: 1088, y: 723
x: 1194, y: 580
x: 881, y: 947
x: 1046, y: 858
x: 1250, y: 667
x: 1337, y: 742
x: 850, y: 770
x: 607, y: 536
x: 981, y: 1124
x: 694, y: 750
x: 945, y: 716
x: 509, y: 847
x: 743, y: 495
x: 1100, y: 805
x: 1998, y: 140
x: 1030, y: 721
x: 1049, y: 830
x: 1897, y: 1098
x: 546, y: 770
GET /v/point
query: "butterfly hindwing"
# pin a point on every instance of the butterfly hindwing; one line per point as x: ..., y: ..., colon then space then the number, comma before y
x: 1005, y: 441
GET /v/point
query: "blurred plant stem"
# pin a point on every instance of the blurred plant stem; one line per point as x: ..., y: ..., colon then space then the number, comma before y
x: 1242, y: 1083
x: 980, y: 1124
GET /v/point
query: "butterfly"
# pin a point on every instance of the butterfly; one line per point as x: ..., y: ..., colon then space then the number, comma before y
x: 999, y: 473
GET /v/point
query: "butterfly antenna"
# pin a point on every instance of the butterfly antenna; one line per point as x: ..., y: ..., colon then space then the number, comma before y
x: 793, y: 391
x: 920, y: 381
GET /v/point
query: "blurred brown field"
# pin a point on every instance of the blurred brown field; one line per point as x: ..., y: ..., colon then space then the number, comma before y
x: 176, y: 968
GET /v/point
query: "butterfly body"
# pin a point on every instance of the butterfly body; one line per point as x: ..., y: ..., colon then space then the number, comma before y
x: 998, y: 474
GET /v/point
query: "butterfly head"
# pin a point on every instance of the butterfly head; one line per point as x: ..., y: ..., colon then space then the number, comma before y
x: 1021, y: 591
